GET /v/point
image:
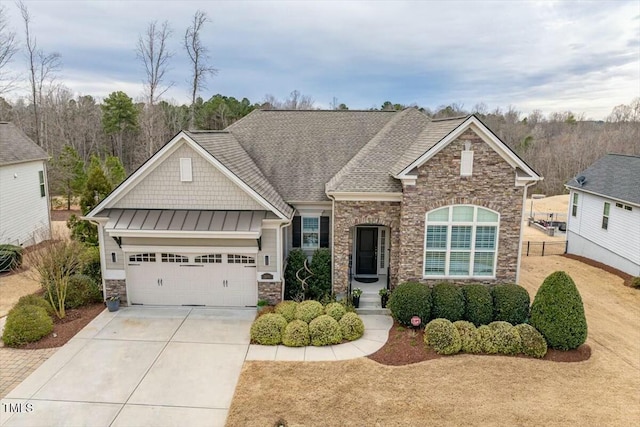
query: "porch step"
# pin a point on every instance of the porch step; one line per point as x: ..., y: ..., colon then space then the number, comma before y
x: 365, y: 311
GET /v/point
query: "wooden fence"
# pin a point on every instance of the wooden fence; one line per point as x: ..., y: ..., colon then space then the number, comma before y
x: 530, y: 248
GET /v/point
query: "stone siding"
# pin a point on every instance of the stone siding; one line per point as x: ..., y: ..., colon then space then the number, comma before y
x: 270, y: 291
x: 492, y: 185
x: 349, y: 214
x: 117, y: 287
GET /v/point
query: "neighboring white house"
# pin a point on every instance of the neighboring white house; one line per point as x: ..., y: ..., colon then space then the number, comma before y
x: 604, y: 213
x: 24, y: 203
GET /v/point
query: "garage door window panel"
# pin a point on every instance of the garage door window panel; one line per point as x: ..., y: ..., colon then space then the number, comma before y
x: 142, y: 258
x: 174, y: 258
x: 240, y: 259
x: 208, y: 259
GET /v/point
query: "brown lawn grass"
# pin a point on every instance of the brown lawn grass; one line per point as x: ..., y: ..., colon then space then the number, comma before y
x: 466, y: 389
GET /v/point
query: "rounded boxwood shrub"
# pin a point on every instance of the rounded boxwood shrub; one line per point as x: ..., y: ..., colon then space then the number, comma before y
x: 533, y: 343
x: 558, y: 313
x: 478, y: 308
x: 505, y: 337
x: 287, y: 309
x: 268, y: 329
x: 335, y: 310
x: 296, y: 334
x: 27, y: 323
x: 309, y: 310
x: 36, y: 300
x: 442, y: 336
x: 351, y: 326
x: 447, y: 302
x: 635, y: 282
x: 467, y: 331
x: 324, y: 330
x: 410, y: 299
x: 510, y: 303
x: 484, y: 340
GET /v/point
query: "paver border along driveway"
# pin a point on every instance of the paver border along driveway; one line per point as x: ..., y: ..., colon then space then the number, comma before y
x: 150, y: 366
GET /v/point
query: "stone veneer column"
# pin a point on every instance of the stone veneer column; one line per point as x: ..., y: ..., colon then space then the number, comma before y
x: 351, y: 213
x: 492, y: 185
x: 270, y: 291
x: 117, y: 287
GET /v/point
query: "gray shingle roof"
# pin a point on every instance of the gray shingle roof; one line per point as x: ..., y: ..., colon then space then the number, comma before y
x: 224, y: 147
x: 300, y: 151
x: 430, y: 136
x: 16, y: 147
x: 614, y: 175
x: 369, y: 170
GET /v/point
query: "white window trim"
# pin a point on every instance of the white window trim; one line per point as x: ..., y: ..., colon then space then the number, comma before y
x: 605, y: 215
x: 474, y: 224
x: 466, y: 163
x: 302, y: 246
x: 575, y: 199
x: 186, y: 169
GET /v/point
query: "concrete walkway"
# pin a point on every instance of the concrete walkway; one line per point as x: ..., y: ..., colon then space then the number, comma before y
x: 155, y: 366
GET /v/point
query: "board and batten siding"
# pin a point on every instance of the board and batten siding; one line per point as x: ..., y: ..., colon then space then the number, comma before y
x: 618, y: 245
x: 24, y: 212
x: 209, y: 188
x: 269, y: 248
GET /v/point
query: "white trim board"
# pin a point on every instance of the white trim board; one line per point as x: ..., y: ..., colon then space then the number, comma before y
x: 185, y: 234
x: 129, y: 249
x: 365, y: 196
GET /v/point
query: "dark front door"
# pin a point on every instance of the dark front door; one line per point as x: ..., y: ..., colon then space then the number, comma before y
x: 366, y: 248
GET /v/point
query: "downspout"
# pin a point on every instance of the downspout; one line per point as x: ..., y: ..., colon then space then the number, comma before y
x: 48, y: 194
x: 332, y: 226
x: 281, y: 248
x: 524, y: 207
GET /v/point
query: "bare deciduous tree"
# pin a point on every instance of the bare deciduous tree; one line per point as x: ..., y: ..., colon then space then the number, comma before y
x: 198, y: 55
x: 154, y: 53
x: 8, y: 48
x: 296, y: 101
x: 42, y: 68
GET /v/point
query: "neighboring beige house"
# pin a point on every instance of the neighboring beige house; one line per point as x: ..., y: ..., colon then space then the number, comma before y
x: 25, y: 217
x: 210, y: 218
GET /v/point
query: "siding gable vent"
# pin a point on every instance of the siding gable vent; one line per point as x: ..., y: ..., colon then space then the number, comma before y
x: 186, y: 174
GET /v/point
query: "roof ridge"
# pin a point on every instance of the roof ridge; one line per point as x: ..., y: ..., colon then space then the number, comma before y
x: 273, y: 110
x: 452, y: 118
x: 337, y: 178
x: 623, y: 155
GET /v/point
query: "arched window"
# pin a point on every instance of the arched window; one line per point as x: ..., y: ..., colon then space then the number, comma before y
x: 461, y: 241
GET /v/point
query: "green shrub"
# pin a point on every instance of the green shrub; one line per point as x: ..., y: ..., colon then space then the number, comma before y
x: 91, y: 264
x: 478, y: 307
x: 442, y: 336
x: 287, y: 309
x: 505, y: 337
x: 293, y: 287
x: 558, y: 313
x: 635, y: 282
x: 320, y: 282
x: 324, y: 330
x: 467, y: 332
x: 351, y: 326
x: 335, y: 310
x: 309, y: 310
x: 296, y: 334
x: 268, y: 329
x: 36, y: 300
x: 448, y: 302
x: 533, y: 343
x: 81, y: 290
x: 10, y: 257
x: 484, y: 340
x: 410, y: 299
x: 510, y: 303
x: 27, y: 323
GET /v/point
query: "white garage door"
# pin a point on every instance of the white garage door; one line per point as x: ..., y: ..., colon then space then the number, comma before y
x: 225, y: 280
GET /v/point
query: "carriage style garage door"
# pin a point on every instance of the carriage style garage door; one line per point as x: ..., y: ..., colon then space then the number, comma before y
x: 227, y: 280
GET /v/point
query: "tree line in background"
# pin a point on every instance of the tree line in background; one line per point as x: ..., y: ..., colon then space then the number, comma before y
x: 82, y: 132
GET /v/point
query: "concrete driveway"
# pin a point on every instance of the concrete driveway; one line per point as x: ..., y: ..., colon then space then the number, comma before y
x: 138, y: 366
x: 157, y: 367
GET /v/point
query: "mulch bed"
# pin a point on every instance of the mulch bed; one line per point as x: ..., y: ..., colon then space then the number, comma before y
x: 624, y: 276
x: 63, y: 214
x: 406, y: 346
x: 67, y: 328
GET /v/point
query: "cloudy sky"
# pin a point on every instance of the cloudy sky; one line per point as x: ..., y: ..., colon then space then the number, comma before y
x: 546, y: 55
